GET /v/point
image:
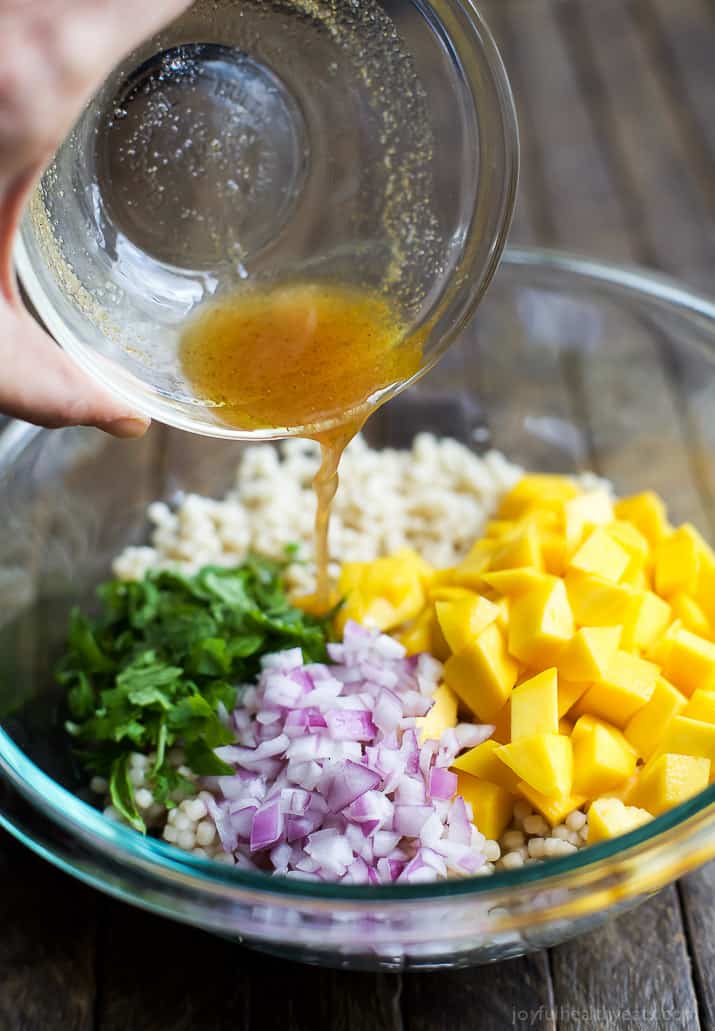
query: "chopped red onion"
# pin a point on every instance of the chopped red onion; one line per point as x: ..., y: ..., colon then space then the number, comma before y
x: 331, y: 781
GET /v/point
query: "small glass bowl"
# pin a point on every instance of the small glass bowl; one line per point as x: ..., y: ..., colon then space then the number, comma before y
x: 570, y: 365
x: 372, y: 145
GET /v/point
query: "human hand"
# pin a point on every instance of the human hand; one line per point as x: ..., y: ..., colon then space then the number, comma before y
x: 54, y: 54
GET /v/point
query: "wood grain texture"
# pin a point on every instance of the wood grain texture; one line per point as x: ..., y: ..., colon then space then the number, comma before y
x: 47, y: 945
x: 633, y: 973
x: 516, y: 993
x: 697, y: 891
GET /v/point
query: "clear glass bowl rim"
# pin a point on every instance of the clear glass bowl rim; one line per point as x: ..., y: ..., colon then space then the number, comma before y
x: 124, y: 845
x: 496, y: 113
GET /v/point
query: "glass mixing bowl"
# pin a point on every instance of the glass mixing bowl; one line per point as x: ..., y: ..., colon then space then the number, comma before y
x: 569, y: 365
x: 372, y: 144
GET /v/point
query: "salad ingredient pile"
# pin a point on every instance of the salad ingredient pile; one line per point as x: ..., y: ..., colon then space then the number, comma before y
x: 571, y: 633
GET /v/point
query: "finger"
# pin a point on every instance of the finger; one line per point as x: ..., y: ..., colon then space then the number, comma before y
x: 40, y: 384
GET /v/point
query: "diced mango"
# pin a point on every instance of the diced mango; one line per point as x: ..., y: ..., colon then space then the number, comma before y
x: 648, y: 617
x: 440, y: 717
x: 647, y: 513
x: 691, y: 615
x: 602, y: 759
x: 540, y: 624
x: 544, y: 761
x: 569, y: 693
x: 536, y: 490
x: 600, y: 555
x: 689, y: 661
x: 677, y: 561
x: 492, y: 805
x: 595, y: 602
x: 534, y: 706
x: 497, y: 528
x: 705, y: 591
x: 554, y: 808
x: 448, y: 592
x: 484, y: 763
x: 514, y: 581
x: 518, y: 550
x: 553, y: 551
x: 589, y: 652
x: 609, y: 817
x: 502, y: 613
x: 632, y: 540
x: 470, y: 571
x: 424, y: 635
x: 669, y: 780
x: 686, y: 736
x: 565, y: 726
x: 701, y: 706
x: 584, y: 725
x: 627, y: 686
x: 384, y: 593
x: 581, y: 514
x: 484, y: 674
x: 463, y: 619
x: 645, y: 728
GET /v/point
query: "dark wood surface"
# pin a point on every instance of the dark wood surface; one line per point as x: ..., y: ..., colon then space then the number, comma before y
x: 617, y: 108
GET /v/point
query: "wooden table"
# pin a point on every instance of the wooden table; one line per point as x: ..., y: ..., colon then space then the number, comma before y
x: 617, y: 107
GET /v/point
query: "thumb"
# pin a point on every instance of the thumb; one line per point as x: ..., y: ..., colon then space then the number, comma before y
x: 40, y: 384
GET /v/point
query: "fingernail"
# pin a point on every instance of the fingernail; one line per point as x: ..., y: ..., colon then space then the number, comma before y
x: 131, y: 426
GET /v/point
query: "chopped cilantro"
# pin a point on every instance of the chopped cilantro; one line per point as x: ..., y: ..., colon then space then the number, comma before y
x: 162, y: 662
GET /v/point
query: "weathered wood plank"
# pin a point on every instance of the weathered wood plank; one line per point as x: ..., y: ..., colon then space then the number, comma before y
x: 632, y: 973
x: 697, y: 891
x: 46, y: 945
x: 160, y: 976
x: 516, y: 993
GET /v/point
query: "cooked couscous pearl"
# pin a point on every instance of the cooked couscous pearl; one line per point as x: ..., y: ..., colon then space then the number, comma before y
x: 492, y: 852
x: 144, y: 798
x: 536, y: 824
x: 536, y: 848
x: 575, y: 820
x: 512, y: 860
x: 512, y: 840
x: 186, y: 839
x: 206, y: 832
x: 98, y: 785
x: 169, y: 834
x: 194, y: 808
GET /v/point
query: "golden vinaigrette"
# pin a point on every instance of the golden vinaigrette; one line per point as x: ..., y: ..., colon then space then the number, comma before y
x: 295, y: 357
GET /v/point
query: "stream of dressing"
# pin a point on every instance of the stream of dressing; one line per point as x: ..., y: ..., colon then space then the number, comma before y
x: 298, y: 356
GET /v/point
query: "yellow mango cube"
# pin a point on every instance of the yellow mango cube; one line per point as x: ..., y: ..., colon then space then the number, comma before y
x: 595, y: 602
x: 602, y: 759
x: 470, y: 571
x: 600, y: 555
x: 701, y: 706
x: 677, y: 561
x: 384, y: 593
x: 569, y: 693
x: 440, y: 717
x: 544, y: 761
x: 502, y: 724
x: 627, y: 686
x: 484, y: 674
x: 540, y: 624
x: 492, y: 805
x: 647, y: 619
x: 424, y: 635
x: 554, y: 808
x: 534, y: 706
x: 705, y: 591
x: 537, y: 491
x: 686, y: 736
x: 497, y: 528
x: 584, y: 725
x: 582, y: 514
x: 647, y: 513
x: 553, y: 551
x: 609, y: 817
x: 670, y: 779
x: 565, y: 726
x: 646, y: 727
x: 518, y: 550
x: 502, y: 614
x: 589, y: 652
x: 514, y: 581
x: 448, y: 592
x: 484, y: 763
x: 689, y: 661
x: 462, y: 620
x: 632, y: 540
x: 690, y: 614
